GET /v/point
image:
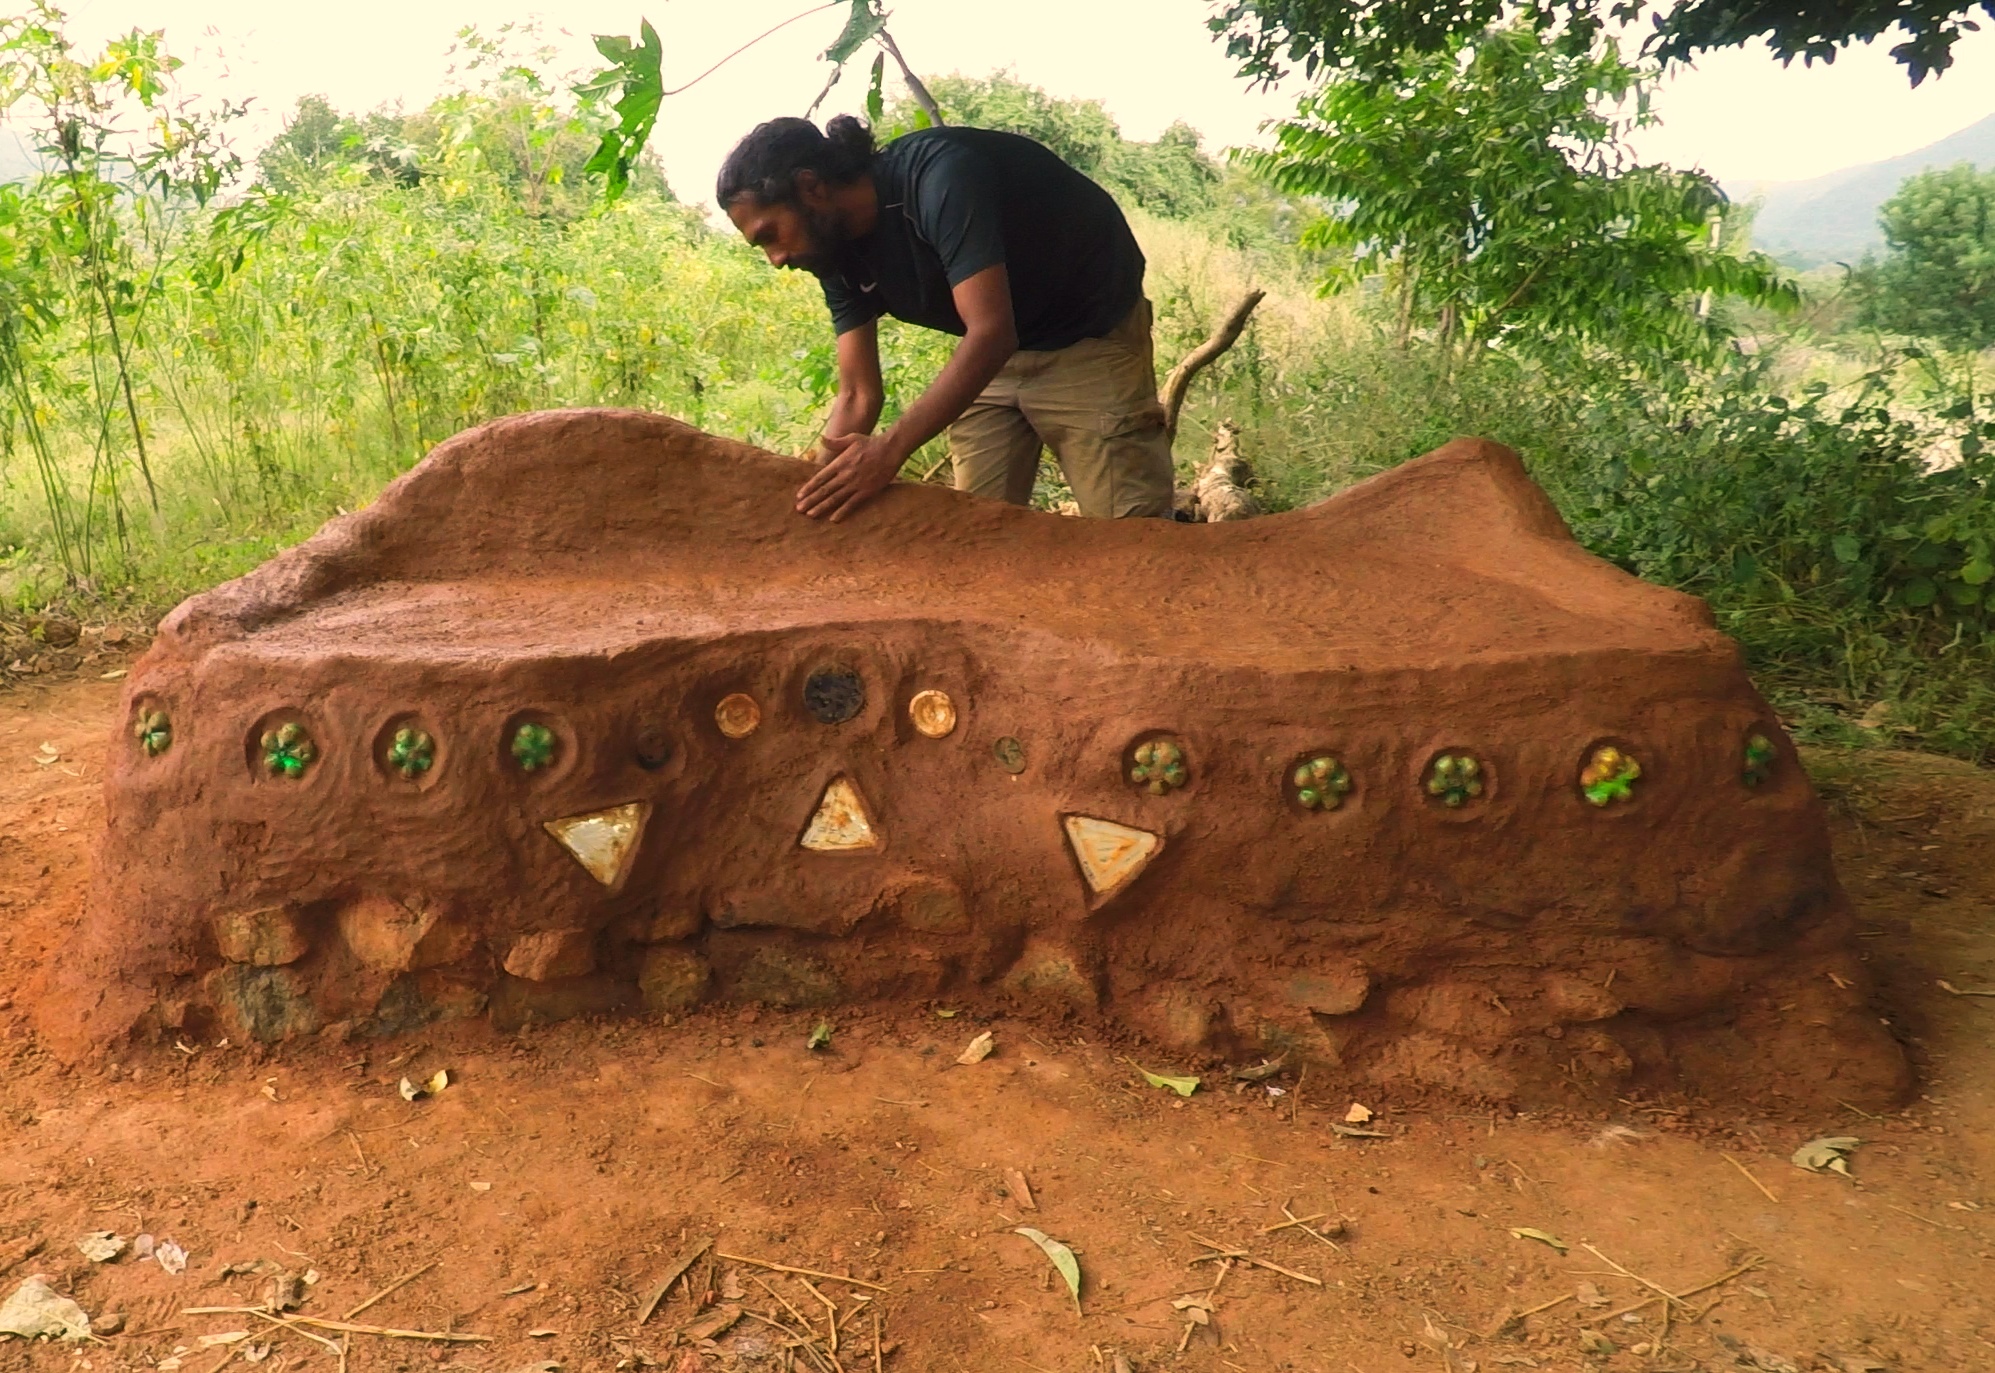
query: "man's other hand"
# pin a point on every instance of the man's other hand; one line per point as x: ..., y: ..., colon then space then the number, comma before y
x: 860, y: 467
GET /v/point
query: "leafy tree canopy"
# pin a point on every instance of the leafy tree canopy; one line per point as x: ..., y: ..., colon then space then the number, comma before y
x: 1489, y: 185
x: 1270, y: 36
x: 1937, y: 279
x: 1172, y: 177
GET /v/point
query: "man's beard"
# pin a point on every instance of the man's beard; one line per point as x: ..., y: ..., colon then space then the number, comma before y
x: 827, y: 241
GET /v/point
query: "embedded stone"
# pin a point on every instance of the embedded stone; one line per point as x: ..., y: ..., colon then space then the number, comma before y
x: 1331, y: 989
x: 841, y: 824
x: 1051, y: 972
x: 672, y: 980
x: 1573, y: 998
x: 1111, y: 855
x: 778, y: 975
x: 928, y: 905
x: 604, y: 842
x: 399, y: 936
x: 266, y: 1004
x: 267, y: 937
x: 546, y: 955
x: 1181, y: 1018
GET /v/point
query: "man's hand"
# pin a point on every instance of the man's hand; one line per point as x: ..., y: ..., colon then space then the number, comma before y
x: 860, y: 467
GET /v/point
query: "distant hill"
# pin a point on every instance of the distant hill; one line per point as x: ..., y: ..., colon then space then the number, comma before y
x: 1834, y: 218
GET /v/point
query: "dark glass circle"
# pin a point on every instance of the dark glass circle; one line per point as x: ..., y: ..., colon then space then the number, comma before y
x: 834, y: 695
x: 654, y: 747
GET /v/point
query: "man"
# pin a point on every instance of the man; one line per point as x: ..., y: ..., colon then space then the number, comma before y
x: 988, y: 236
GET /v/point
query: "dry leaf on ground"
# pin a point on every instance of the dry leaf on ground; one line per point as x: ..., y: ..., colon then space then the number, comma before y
x: 1183, y: 1086
x: 1831, y: 1152
x: 979, y: 1050
x: 1062, y: 1257
x: 101, y: 1246
x: 1525, y: 1232
x: 36, y: 1310
x: 439, y: 1080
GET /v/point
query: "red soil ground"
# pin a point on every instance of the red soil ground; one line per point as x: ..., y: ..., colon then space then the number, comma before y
x: 567, y: 1166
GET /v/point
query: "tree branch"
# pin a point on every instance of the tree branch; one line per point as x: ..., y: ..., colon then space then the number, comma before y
x: 1172, y: 394
x: 914, y: 86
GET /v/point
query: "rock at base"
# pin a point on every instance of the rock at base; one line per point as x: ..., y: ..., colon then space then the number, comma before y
x: 549, y: 955
x: 267, y: 937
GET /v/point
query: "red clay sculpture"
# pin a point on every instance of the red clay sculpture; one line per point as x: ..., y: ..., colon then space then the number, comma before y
x: 580, y: 717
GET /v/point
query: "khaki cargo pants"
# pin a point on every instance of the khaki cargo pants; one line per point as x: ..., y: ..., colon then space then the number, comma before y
x: 1094, y: 404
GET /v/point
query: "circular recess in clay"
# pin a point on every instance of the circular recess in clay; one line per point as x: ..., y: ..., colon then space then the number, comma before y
x: 1317, y: 781
x: 737, y: 715
x: 834, y: 695
x: 532, y: 745
x: 1010, y: 754
x: 1157, y: 763
x: 1457, y: 779
x: 652, y: 746
x: 407, y: 751
x: 152, y: 727
x: 1610, y: 775
x: 1759, y: 758
x: 933, y: 713
x: 282, y: 748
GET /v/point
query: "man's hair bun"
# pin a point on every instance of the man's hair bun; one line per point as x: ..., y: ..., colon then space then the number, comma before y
x: 765, y: 164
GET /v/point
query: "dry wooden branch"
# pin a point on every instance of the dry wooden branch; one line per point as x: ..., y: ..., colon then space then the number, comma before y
x: 1172, y: 394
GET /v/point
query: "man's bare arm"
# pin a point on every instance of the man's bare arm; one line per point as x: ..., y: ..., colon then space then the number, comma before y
x: 861, y: 392
x: 863, y: 465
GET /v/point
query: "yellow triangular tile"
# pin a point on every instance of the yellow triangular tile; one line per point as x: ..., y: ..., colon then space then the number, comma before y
x: 1111, y: 855
x: 841, y: 824
x: 603, y: 841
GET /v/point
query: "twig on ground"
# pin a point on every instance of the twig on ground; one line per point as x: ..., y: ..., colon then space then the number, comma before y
x: 830, y: 1306
x: 1658, y: 1288
x: 1750, y: 1178
x: 1916, y: 1216
x: 1755, y: 1261
x: 1293, y: 1219
x: 801, y: 1272
x: 1507, y: 1318
x: 1316, y: 1234
x: 387, y: 1332
x: 1221, y: 1251
x: 397, y: 1285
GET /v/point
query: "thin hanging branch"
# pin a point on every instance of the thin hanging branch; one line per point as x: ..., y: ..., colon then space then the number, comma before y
x: 914, y: 86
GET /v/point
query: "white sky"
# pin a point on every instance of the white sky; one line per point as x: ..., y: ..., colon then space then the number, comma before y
x: 1740, y: 115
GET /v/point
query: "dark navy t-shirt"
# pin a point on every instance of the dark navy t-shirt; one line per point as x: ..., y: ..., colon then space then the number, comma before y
x: 954, y: 201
